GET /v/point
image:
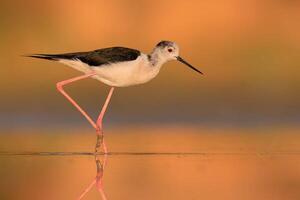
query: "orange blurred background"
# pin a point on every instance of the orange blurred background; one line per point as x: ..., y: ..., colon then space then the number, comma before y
x: 241, y: 116
x: 247, y: 49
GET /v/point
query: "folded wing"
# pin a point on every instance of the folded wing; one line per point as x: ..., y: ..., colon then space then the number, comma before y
x: 95, y: 58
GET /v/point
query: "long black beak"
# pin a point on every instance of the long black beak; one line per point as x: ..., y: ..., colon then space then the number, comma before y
x: 189, y: 65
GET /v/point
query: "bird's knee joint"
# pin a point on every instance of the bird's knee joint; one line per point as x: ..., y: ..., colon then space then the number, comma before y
x: 59, y: 85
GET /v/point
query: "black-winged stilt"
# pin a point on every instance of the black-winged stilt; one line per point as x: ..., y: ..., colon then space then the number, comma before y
x: 116, y: 67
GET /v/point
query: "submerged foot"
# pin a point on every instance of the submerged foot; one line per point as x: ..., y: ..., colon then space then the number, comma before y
x: 99, y: 144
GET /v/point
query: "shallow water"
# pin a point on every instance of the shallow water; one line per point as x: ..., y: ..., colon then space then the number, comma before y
x: 166, y: 163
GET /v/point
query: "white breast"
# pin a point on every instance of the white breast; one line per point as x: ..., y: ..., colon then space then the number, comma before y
x: 120, y: 74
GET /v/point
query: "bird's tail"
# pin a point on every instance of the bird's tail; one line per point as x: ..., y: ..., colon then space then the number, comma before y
x: 56, y: 57
x: 44, y: 56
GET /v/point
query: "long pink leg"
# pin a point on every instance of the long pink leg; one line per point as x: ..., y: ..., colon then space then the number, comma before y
x: 59, y: 87
x: 100, y: 138
x: 98, y: 124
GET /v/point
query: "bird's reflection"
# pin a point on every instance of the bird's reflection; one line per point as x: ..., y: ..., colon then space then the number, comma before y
x: 97, y: 181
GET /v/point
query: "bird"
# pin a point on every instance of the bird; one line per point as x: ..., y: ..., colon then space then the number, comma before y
x: 116, y: 67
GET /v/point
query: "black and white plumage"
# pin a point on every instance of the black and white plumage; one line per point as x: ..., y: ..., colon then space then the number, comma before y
x: 120, y: 66
x: 96, y: 58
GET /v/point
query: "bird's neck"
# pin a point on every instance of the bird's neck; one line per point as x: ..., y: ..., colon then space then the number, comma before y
x: 155, y: 59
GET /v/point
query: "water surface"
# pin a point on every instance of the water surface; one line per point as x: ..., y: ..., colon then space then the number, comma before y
x: 167, y: 163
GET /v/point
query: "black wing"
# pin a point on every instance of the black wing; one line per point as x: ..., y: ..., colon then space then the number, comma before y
x: 97, y: 57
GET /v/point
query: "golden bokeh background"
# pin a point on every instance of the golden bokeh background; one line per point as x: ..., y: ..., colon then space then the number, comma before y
x: 240, y: 118
x: 247, y: 49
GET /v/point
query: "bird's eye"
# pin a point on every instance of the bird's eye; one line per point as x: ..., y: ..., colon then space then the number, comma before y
x: 170, y: 50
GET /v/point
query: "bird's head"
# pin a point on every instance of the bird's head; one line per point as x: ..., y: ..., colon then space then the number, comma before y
x: 167, y: 50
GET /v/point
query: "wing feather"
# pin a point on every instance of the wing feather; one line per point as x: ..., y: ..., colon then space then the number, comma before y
x: 97, y: 57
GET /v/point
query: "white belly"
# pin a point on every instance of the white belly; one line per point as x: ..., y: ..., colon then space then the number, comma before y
x: 120, y: 74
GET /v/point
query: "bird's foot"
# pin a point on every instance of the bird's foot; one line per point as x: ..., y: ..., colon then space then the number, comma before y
x: 99, y: 143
